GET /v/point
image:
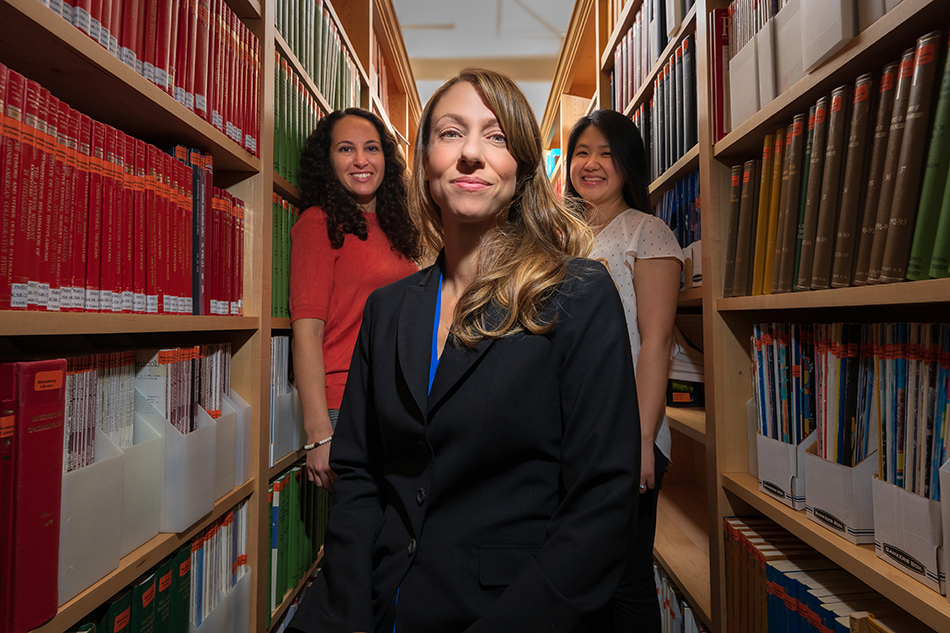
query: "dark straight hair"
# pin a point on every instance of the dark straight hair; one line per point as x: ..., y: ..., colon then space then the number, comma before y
x: 626, y: 149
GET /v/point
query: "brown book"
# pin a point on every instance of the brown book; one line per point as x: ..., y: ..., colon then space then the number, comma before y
x: 783, y: 201
x: 790, y: 211
x: 775, y: 200
x: 896, y: 136
x: 882, y: 128
x: 830, y: 188
x: 818, y: 123
x: 854, y: 178
x: 910, y: 166
x: 762, y: 215
x: 732, y: 222
x: 742, y: 281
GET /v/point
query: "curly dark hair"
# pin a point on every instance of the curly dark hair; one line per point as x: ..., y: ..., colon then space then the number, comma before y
x: 319, y: 187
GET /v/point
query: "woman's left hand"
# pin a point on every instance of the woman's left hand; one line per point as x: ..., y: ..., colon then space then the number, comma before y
x: 647, y: 465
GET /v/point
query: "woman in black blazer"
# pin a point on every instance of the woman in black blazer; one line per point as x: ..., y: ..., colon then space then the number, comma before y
x: 487, y: 451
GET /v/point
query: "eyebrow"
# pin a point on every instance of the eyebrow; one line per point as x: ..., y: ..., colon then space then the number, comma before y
x: 488, y: 122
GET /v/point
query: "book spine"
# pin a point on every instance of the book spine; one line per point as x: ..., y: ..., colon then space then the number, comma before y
x: 744, y: 230
x: 883, y: 112
x: 790, y: 211
x: 817, y: 122
x: 127, y: 238
x: 57, y: 249
x: 202, y: 58
x: 108, y: 242
x: 94, y: 225
x: 12, y: 122
x: 70, y: 228
x: 855, y: 175
x: 732, y: 222
x: 776, y: 255
x: 940, y: 262
x: 891, y: 159
x: 830, y: 188
x: 934, y: 185
x: 910, y: 164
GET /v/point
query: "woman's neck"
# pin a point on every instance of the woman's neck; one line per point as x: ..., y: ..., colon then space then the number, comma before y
x: 461, y: 261
x: 600, y: 216
x: 367, y: 207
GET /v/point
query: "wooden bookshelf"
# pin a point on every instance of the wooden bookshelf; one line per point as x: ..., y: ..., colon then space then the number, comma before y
x: 691, y: 297
x: 285, y: 462
x: 687, y: 164
x: 79, y: 323
x: 279, y: 324
x: 287, y: 53
x: 690, y: 421
x: 286, y: 190
x: 292, y: 594
x: 931, y: 291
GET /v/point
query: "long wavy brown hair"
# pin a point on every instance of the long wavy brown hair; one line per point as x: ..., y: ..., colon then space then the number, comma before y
x: 522, y: 261
x: 319, y: 187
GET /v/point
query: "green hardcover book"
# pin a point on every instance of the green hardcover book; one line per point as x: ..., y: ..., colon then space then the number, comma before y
x: 293, y: 545
x: 117, y: 615
x: 270, y: 553
x: 283, y: 521
x: 143, y: 605
x: 83, y: 627
x: 275, y: 214
x: 940, y: 262
x: 935, y: 182
x: 180, y: 590
x: 163, y: 596
x: 306, y: 498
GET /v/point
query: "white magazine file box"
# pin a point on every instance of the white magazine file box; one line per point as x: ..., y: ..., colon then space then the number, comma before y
x: 827, y: 26
x: 242, y: 454
x: 144, y: 474
x: 743, y: 75
x: 232, y: 614
x: 225, y: 453
x: 788, y: 46
x: 782, y: 469
x: 765, y: 51
x: 839, y: 497
x: 289, y: 427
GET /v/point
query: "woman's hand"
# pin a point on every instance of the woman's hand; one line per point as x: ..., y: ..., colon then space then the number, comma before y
x: 647, y: 467
x: 318, y: 467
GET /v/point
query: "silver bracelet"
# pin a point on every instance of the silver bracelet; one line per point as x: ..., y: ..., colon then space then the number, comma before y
x: 310, y: 447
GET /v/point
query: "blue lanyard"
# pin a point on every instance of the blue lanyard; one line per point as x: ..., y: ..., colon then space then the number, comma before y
x: 434, y: 357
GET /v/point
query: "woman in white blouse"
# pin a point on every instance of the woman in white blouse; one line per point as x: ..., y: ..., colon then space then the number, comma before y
x: 608, y: 170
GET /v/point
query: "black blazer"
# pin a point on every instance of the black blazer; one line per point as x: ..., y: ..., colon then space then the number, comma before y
x: 502, y: 500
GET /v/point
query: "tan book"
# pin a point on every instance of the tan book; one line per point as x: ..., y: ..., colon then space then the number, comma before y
x: 775, y: 199
x: 819, y: 126
x: 910, y: 166
x: 742, y: 280
x: 790, y: 211
x: 831, y: 188
x: 853, y: 186
x: 762, y: 215
x: 896, y: 136
x: 882, y: 128
x: 732, y: 224
x: 783, y: 201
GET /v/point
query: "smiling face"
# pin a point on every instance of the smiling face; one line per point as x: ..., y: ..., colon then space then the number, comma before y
x: 356, y: 154
x: 593, y: 173
x: 471, y: 173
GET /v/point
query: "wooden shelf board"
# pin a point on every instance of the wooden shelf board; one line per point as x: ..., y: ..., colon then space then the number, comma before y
x: 690, y: 421
x: 17, y: 323
x: 646, y: 88
x: 279, y: 324
x: 921, y: 602
x: 691, y: 297
x: 246, y: 9
x: 138, y: 562
x: 81, y: 72
x: 878, y: 44
x: 285, y: 51
x: 682, y: 543
x: 285, y: 462
x: 286, y: 190
x: 291, y: 595
x: 908, y: 292
x: 688, y: 163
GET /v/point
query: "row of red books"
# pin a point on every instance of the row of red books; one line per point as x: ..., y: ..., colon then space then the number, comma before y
x: 97, y: 221
x: 198, y: 51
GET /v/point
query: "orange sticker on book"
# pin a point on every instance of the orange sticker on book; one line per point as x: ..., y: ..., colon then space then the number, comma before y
x: 680, y: 397
x: 861, y: 93
x: 925, y: 55
x: 797, y: 129
x: 746, y: 176
x: 48, y: 380
x: 148, y: 596
x: 820, y: 115
x: 907, y: 68
x: 836, y: 103
x: 887, y: 82
x: 122, y: 620
x: 184, y: 568
x: 165, y: 581
x: 6, y: 426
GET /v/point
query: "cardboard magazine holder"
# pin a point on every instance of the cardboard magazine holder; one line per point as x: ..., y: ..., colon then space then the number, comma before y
x: 225, y: 449
x: 288, y: 431
x: 839, y: 497
x: 765, y: 51
x: 782, y: 469
x: 91, y: 520
x: 232, y: 614
x: 242, y: 448
x: 945, y: 516
x: 188, y: 481
x: 743, y: 72
x: 908, y: 533
x: 788, y: 46
x: 869, y: 12
x: 144, y: 473
x: 827, y: 26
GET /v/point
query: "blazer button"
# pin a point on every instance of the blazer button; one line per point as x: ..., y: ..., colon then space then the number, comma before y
x: 412, y: 547
x: 421, y: 496
x: 423, y: 448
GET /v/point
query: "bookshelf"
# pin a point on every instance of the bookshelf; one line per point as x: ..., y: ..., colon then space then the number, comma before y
x: 42, y: 46
x: 695, y: 501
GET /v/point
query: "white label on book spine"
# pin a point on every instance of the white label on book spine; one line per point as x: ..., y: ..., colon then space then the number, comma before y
x: 149, y: 72
x: 160, y: 78
x: 105, y: 301
x: 82, y: 20
x: 201, y: 103
x: 191, y: 305
x: 151, y: 304
x: 56, y: 6
x: 92, y: 300
x: 32, y: 292
x: 67, y: 12
x: 18, y: 294
x: 104, y: 36
x: 140, y: 67
x: 117, y: 302
x: 190, y: 101
x: 138, y: 303
x: 127, y: 55
x: 180, y: 95
x: 127, y: 301
x: 94, y: 28
x: 234, y: 308
x: 114, y: 45
x: 42, y: 295
x: 55, y: 298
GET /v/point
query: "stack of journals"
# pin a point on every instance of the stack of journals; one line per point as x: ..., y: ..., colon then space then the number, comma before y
x: 784, y: 381
x: 320, y: 44
x: 296, y: 113
x: 855, y: 191
x: 199, y: 52
x: 102, y: 222
x: 679, y: 209
x: 285, y: 216
x: 280, y: 385
x: 686, y: 360
x: 675, y: 612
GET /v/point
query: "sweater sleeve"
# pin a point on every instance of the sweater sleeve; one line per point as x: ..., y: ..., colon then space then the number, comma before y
x: 311, y: 267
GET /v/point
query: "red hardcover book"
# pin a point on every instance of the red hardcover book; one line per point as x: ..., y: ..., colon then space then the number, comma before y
x: 150, y: 35
x: 182, y: 53
x: 202, y: 58
x: 207, y: 163
x: 94, y: 217
x: 165, y: 290
x: 12, y: 115
x: 81, y: 204
x: 227, y: 242
x: 115, y: 25
x: 82, y: 16
x: 719, y: 54
x: 95, y: 17
x: 173, y: 31
x: 153, y: 224
x: 214, y: 243
x: 39, y: 278
x: 192, y: 201
x: 105, y: 22
x: 191, y: 58
x: 25, y: 264
x: 7, y: 410
x: 110, y: 217
x: 219, y: 61
x: 127, y: 238
x: 166, y: 23
x: 69, y: 127
x: 140, y: 230
x: 39, y: 389
x: 174, y: 234
x: 53, y: 249
x: 129, y: 38
x: 141, y: 29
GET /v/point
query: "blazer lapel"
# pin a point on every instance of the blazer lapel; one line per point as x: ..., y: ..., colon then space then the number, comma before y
x: 414, y: 334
